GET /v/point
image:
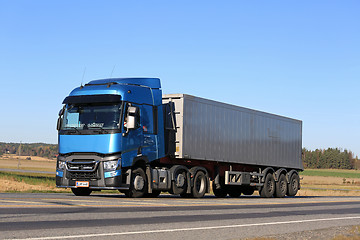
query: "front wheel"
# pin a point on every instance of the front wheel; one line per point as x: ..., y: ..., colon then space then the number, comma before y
x: 138, y: 185
x: 81, y: 191
x: 199, y: 188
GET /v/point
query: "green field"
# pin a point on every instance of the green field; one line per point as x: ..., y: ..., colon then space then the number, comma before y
x: 331, y: 173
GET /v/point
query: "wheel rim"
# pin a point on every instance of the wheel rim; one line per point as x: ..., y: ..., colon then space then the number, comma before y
x: 139, y: 183
x: 180, y: 180
x: 270, y: 186
x: 283, y: 186
x: 294, y: 184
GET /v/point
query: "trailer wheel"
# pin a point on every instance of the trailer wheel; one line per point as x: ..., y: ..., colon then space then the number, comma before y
x: 220, y: 193
x: 81, y: 191
x: 267, y: 191
x: 293, y: 185
x: 248, y: 190
x: 138, y: 184
x: 281, y: 187
x: 199, y: 188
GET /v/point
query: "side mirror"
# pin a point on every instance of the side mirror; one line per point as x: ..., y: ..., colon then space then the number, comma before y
x: 131, y: 118
x: 131, y: 122
x: 59, y: 123
x: 61, y: 112
x: 60, y: 119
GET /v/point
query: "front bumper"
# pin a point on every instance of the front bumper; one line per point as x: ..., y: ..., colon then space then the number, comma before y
x: 90, y: 168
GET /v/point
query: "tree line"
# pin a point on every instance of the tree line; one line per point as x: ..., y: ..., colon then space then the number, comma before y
x: 330, y: 158
x: 29, y: 149
x: 319, y: 158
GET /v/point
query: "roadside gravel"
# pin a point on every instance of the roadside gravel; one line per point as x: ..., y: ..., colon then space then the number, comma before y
x: 337, y: 233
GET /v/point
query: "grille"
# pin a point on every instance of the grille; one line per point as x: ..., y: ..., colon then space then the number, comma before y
x: 82, y: 169
x: 82, y: 165
x: 83, y: 175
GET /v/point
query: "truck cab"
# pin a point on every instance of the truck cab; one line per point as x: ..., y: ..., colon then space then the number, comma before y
x: 104, y: 129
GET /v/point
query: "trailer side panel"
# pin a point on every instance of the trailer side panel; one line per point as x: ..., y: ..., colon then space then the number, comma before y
x: 210, y: 130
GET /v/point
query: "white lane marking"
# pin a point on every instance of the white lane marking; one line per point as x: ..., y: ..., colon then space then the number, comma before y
x: 192, y: 229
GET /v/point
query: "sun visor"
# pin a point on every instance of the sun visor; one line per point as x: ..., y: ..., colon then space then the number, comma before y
x: 102, y: 98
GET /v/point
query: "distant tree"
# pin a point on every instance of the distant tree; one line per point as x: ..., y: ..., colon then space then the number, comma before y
x: 329, y: 158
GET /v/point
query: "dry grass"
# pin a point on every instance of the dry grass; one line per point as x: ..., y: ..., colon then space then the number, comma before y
x: 11, y: 185
x: 39, y: 164
x: 329, y: 186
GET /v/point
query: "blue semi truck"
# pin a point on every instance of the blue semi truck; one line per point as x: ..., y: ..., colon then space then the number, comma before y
x: 124, y: 134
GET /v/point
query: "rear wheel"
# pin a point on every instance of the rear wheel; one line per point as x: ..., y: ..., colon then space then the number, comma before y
x: 293, y: 185
x: 281, y: 187
x: 179, y: 185
x: 81, y: 191
x: 138, y: 185
x: 268, y: 190
x: 199, y: 188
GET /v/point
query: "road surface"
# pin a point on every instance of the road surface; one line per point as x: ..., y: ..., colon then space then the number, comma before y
x: 112, y: 216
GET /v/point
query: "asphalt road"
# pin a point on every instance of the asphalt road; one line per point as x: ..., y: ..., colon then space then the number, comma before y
x: 105, y: 216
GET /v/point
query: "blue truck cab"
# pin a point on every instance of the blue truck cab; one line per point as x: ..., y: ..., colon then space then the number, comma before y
x: 105, y: 128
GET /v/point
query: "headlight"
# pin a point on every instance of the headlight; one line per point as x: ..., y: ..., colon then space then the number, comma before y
x: 61, y: 164
x: 110, y: 165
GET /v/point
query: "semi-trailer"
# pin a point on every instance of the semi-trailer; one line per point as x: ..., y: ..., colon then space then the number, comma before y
x: 124, y: 134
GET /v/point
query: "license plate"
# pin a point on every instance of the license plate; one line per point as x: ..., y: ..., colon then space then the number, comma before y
x: 82, y: 184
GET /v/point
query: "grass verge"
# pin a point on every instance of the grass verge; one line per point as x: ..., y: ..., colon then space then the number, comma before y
x: 28, y: 182
x: 331, y: 173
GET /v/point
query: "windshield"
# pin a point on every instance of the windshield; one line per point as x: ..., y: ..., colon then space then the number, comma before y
x: 92, y: 116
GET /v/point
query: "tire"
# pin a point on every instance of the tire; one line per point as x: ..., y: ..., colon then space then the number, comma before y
x: 293, y: 185
x: 138, y: 184
x: 248, y: 190
x: 281, y: 187
x: 220, y: 193
x: 154, y: 194
x: 200, y: 182
x: 268, y: 190
x: 179, y: 185
x: 81, y: 191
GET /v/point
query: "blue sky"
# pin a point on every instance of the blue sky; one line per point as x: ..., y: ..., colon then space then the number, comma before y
x: 299, y: 59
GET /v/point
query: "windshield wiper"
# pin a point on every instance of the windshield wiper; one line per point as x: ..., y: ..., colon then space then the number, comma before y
x: 100, y: 128
x: 76, y: 130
